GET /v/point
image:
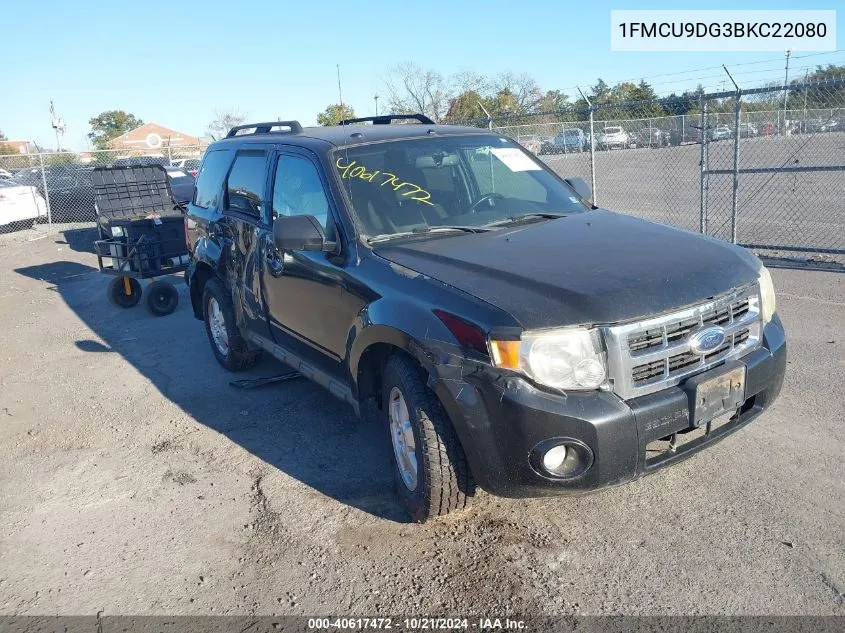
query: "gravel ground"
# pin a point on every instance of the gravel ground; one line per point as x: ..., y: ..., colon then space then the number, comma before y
x: 134, y: 479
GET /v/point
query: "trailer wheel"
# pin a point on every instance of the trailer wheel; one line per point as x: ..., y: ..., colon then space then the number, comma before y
x: 118, y: 296
x: 161, y: 298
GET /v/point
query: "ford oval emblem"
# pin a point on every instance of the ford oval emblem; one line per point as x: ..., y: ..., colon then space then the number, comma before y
x: 706, y: 339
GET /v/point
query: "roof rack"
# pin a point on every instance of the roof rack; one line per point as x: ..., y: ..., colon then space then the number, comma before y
x: 386, y: 119
x: 264, y: 128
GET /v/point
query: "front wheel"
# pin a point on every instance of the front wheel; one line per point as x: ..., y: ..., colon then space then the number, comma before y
x: 432, y: 474
x: 124, y: 292
x: 229, y: 346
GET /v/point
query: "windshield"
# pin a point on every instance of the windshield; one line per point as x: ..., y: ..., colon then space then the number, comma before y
x: 572, y: 133
x: 612, y: 130
x: 469, y: 181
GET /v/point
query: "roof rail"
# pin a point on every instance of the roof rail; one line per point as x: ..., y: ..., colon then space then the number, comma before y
x: 264, y: 128
x: 386, y: 119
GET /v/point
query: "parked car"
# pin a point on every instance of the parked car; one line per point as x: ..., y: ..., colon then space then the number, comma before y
x: 532, y: 143
x: 69, y: 189
x: 614, y: 136
x: 5, y: 175
x: 20, y: 203
x: 721, y: 133
x: 811, y: 126
x: 568, y: 141
x: 503, y: 331
x: 747, y: 130
x: 651, y: 137
x: 768, y: 129
x: 140, y: 161
x: 835, y: 124
x: 189, y: 165
x: 181, y: 184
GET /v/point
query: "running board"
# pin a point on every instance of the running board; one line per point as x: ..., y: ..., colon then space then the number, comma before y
x: 336, y: 388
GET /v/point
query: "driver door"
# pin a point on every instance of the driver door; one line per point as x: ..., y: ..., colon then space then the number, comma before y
x: 303, y: 289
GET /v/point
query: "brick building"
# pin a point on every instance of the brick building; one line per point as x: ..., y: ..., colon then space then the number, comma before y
x: 152, y: 136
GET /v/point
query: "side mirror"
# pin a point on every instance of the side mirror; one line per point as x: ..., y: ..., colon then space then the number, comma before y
x: 300, y: 233
x: 581, y: 188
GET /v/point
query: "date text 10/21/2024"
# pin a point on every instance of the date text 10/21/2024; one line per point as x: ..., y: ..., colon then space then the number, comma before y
x: 423, y: 623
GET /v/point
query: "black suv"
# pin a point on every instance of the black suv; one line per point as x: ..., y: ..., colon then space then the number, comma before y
x: 449, y: 285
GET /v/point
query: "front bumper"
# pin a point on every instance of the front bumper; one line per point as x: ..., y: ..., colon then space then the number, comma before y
x: 500, y: 422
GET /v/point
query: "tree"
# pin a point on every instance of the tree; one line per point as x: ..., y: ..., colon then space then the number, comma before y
x: 552, y: 101
x: 111, y: 124
x: 2, y: 136
x: 410, y: 89
x: 523, y: 93
x: 466, y: 107
x: 601, y: 92
x: 505, y: 103
x: 335, y: 113
x: 224, y: 120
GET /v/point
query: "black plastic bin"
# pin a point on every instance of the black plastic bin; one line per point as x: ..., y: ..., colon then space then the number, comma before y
x: 147, y: 248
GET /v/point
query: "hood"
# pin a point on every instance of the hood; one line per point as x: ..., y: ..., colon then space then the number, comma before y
x: 597, y: 267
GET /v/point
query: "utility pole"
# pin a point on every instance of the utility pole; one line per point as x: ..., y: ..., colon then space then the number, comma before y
x: 58, y: 124
x: 785, y: 85
x: 375, y: 98
x: 339, y: 91
x: 806, y: 77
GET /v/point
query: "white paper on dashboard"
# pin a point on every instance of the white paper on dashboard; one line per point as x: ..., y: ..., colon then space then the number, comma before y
x: 514, y: 159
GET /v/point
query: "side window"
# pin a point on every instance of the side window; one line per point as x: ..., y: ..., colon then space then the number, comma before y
x: 297, y: 190
x: 245, y: 186
x: 210, y: 178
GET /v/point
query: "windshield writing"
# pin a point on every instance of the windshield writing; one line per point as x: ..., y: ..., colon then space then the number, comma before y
x: 414, y: 191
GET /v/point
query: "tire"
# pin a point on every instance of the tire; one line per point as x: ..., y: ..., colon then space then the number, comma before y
x: 116, y: 292
x: 161, y: 298
x: 231, y: 350
x: 442, y: 482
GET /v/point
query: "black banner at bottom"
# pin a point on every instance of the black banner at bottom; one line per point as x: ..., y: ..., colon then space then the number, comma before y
x: 405, y: 624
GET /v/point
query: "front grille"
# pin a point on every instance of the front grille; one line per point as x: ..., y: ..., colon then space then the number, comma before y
x: 651, y: 355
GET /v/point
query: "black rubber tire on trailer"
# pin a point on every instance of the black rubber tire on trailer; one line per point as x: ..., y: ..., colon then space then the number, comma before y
x: 116, y: 292
x: 161, y: 298
x: 235, y: 355
x: 444, y: 482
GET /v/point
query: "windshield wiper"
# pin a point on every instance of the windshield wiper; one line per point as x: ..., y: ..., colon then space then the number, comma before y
x: 525, y: 216
x: 426, y: 230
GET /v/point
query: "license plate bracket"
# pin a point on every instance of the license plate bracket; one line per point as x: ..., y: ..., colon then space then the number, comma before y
x: 716, y: 392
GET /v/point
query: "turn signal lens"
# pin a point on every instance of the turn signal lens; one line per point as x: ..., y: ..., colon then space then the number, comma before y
x: 505, y: 353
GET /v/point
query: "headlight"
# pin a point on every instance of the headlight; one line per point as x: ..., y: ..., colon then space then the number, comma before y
x: 767, y: 294
x: 564, y: 359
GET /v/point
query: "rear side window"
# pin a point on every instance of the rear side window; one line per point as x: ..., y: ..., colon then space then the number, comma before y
x: 210, y: 179
x: 245, y: 186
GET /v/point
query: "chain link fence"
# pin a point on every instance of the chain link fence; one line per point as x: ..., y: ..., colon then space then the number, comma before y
x: 56, y: 188
x: 764, y: 168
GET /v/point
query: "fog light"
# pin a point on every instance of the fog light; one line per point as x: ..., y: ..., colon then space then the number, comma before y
x: 554, y: 458
x: 563, y: 458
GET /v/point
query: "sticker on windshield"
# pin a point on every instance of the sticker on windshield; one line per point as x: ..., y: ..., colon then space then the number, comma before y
x: 515, y: 159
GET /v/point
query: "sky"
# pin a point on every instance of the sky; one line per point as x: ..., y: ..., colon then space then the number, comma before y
x: 175, y: 63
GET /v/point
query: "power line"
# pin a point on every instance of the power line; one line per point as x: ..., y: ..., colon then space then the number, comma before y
x: 707, y: 68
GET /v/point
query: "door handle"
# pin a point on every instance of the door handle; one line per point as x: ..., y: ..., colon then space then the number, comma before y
x: 274, y: 262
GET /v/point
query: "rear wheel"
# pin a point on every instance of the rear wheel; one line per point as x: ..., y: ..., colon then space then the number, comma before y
x: 124, y: 292
x: 432, y: 475
x: 229, y: 346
